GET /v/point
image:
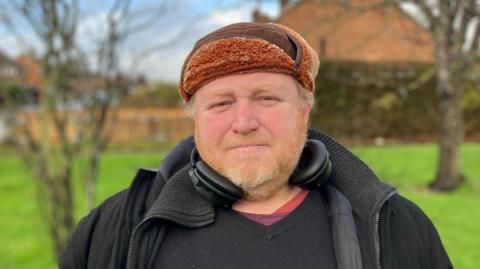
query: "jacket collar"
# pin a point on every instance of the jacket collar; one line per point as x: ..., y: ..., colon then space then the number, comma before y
x: 179, y: 202
x: 354, y: 179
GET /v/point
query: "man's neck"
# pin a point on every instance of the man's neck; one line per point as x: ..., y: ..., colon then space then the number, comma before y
x: 269, y: 204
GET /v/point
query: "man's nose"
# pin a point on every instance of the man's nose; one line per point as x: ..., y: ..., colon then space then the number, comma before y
x: 245, y: 118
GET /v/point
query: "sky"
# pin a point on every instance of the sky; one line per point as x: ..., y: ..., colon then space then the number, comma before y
x: 200, y: 19
x: 180, y: 27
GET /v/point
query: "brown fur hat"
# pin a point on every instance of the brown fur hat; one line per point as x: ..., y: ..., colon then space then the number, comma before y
x: 246, y: 48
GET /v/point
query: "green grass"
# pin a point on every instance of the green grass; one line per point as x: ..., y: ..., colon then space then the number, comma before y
x: 23, y: 237
x: 24, y: 242
x: 456, y: 215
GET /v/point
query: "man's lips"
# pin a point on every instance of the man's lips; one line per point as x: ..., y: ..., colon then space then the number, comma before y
x: 248, y: 147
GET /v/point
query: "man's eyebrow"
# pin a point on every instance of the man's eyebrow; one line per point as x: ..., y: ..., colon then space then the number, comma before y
x: 262, y: 90
x: 220, y: 93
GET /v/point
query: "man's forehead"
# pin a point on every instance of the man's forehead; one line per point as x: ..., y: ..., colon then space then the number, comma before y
x: 253, y: 83
x: 232, y: 91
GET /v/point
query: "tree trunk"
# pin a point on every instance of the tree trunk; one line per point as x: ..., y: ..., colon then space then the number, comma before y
x: 449, y: 93
x: 56, y: 204
x: 91, y: 180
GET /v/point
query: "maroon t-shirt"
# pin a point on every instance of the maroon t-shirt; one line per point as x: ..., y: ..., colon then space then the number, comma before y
x: 269, y: 219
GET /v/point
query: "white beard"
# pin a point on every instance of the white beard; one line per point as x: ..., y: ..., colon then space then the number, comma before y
x: 261, y: 178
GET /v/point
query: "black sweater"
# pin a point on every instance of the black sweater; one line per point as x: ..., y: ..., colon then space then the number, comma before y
x: 372, y: 226
x: 302, y: 239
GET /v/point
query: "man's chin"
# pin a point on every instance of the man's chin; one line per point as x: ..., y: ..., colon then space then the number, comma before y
x: 263, y: 191
x: 246, y: 179
x: 257, y: 185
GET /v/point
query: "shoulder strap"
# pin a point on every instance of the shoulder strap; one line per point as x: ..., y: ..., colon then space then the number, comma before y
x: 344, y: 231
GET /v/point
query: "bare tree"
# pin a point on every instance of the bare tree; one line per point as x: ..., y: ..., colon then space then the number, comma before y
x: 454, y: 25
x: 55, y: 25
x: 91, y: 78
x: 111, y: 83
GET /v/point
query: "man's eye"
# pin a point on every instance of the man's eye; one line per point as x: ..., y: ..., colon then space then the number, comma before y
x: 268, y: 99
x: 220, y: 104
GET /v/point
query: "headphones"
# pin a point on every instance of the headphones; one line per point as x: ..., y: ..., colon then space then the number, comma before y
x: 313, y: 169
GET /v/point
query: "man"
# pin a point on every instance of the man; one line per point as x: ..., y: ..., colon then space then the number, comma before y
x: 254, y: 188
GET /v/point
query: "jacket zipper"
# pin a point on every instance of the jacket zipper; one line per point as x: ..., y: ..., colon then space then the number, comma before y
x: 131, y: 243
x: 378, y: 247
x: 377, y: 238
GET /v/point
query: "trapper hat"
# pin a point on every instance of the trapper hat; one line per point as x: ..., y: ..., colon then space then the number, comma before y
x: 247, y: 48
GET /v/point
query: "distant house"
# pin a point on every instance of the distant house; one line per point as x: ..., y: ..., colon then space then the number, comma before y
x: 361, y: 30
x: 32, y: 70
x: 23, y: 74
x: 9, y: 69
x: 371, y: 56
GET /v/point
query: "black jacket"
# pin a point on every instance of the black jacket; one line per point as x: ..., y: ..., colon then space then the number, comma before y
x: 372, y: 226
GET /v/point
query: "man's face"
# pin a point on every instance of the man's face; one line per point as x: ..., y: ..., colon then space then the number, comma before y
x: 251, y: 128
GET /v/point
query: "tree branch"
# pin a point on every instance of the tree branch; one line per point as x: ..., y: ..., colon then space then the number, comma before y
x: 427, y: 12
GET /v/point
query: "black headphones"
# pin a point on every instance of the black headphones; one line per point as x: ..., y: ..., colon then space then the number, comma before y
x: 312, y: 171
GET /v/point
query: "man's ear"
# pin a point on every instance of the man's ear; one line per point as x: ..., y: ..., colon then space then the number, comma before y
x: 306, y: 112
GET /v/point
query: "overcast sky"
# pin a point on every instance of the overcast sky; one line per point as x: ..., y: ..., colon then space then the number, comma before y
x: 195, y: 17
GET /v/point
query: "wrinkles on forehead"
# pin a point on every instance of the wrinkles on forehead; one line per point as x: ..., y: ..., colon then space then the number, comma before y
x: 258, y: 87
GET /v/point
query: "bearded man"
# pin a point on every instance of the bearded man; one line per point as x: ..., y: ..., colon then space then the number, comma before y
x: 253, y: 187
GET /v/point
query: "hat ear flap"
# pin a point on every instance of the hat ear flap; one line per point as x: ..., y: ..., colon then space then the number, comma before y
x: 309, y: 62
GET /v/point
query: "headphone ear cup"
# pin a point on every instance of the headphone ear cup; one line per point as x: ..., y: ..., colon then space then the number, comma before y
x: 314, y: 166
x: 213, y: 187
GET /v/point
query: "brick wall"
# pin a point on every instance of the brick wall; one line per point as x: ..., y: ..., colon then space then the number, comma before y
x: 383, y: 34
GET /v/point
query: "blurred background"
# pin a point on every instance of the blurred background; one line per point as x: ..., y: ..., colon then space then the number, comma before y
x: 88, y: 95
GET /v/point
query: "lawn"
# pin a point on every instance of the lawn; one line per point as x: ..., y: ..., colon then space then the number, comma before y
x: 407, y: 167
x: 24, y: 242
x: 456, y: 215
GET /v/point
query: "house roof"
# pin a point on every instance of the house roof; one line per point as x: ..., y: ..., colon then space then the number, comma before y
x: 361, y: 31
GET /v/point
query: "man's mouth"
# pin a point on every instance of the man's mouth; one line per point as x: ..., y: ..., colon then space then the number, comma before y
x: 249, y: 147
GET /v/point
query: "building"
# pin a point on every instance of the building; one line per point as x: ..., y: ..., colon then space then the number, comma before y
x: 372, y: 55
x: 32, y: 70
x: 357, y: 30
x: 9, y: 69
